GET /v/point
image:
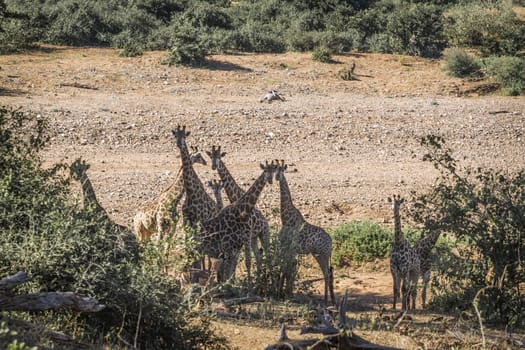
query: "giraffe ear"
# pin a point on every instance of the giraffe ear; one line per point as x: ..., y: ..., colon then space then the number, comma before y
x: 389, y: 200
x: 223, y: 154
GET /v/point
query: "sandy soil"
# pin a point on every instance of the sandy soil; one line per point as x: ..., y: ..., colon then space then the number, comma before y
x: 349, y: 144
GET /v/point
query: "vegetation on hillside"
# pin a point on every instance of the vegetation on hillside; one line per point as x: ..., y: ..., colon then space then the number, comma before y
x: 420, y: 28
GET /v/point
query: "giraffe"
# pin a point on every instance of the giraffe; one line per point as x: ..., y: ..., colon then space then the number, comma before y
x: 224, y: 235
x: 258, y: 224
x: 423, y: 247
x: 306, y: 238
x: 404, y: 262
x: 78, y: 170
x: 217, y: 186
x: 198, y: 205
x: 161, y: 213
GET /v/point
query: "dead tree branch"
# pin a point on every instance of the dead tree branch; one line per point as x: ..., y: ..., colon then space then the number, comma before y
x: 42, y: 301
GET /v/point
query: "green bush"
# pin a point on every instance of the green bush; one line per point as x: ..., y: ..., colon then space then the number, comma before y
x: 359, y: 242
x: 131, y: 49
x: 188, y: 48
x: 322, y: 54
x: 363, y: 241
x: 80, y: 22
x: 262, y: 38
x: 67, y: 248
x: 484, y: 211
x: 491, y: 26
x: 509, y: 72
x: 279, y: 267
x: 416, y: 29
x: 458, y: 63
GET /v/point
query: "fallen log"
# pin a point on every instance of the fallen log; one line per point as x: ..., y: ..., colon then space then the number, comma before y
x: 42, y: 301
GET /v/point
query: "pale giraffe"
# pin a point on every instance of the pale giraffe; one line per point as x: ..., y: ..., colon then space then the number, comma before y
x: 160, y: 214
x: 224, y: 235
x: 216, y: 187
x: 258, y: 224
x: 423, y: 247
x: 306, y: 238
x: 404, y: 262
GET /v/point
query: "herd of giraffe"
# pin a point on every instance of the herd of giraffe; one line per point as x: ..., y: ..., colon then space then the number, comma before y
x: 222, y: 231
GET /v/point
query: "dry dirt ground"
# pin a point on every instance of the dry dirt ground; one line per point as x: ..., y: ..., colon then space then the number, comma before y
x: 349, y: 144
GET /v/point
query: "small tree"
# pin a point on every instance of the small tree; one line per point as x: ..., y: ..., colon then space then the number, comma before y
x: 485, y: 210
x: 490, y: 26
x: 458, y: 63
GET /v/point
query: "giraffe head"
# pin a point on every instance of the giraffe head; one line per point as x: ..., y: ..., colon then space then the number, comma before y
x: 281, y: 168
x: 78, y: 168
x: 396, y: 201
x: 269, y: 171
x: 196, y: 156
x: 180, y: 134
x: 215, y: 156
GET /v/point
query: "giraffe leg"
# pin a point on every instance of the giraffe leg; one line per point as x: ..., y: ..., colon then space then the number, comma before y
x: 248, y: 263
x: 264, y: 237
x: 413, y: 277
x: 256, y: 252
x: 396, y: 282
x: 426, y: 279
x: 404, y: 293
x: 324, y: 264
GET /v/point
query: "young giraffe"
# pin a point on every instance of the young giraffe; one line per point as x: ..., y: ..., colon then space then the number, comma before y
x: 404, y: 262
x: 216, y: 187
x: 307, y: 238
x: 259, y: 227
x: 224, y: 235
x: 423, y: 247
x: 159, y: 215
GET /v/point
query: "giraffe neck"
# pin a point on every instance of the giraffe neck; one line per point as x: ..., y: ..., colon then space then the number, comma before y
x: 249, y: 199
x: 190, y: 178
x: 290, y: 215
x: 233, y: 190
x: 400, y: 242
x: 218, y: 199
x: 88, y: 192
x: 174, y: 191
x: 428, y: 242
x: 194, y: 187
